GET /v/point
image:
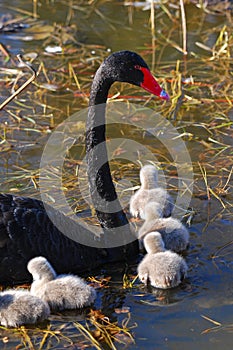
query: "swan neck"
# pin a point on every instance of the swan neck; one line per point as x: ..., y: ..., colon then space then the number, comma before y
x: 100, y: 87
x: 149, y: 182
x: 102, y: 190
x: 153, y: 243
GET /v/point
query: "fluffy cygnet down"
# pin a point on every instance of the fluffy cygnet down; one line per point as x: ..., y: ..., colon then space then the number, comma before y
x: 59, y: 291
x: 150, y: 192
x: 19, y: 307
x: 174, y: 234
x: 162, y: 268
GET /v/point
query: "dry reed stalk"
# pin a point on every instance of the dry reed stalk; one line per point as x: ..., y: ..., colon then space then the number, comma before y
x: 21, y: 88
x: 152, y: 23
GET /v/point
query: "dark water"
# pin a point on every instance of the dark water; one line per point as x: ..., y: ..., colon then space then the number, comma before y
x: 169, y: 319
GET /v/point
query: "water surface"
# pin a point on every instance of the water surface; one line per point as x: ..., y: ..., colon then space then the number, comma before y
x: 164, y: 319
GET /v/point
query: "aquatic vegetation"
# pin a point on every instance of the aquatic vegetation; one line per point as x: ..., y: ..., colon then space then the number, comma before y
x: 200, y: 84
x: 97, y: 331
x: 191, y: 55
x: 218, y: 326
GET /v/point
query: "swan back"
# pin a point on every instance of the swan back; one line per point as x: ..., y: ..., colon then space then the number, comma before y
x: 67, y: 292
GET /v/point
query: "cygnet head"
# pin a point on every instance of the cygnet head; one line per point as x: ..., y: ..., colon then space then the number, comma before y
x: 149, y: 177
x: 40, y: 268
x: 153, y: 243
x: 153, y: 210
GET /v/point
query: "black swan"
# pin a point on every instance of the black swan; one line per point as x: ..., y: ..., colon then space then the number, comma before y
x: 19, y: 307
x: 26, y: 230
x: 162, y: 268
x: 174, y: 234
x: 61, y: 292
x: 150, y: 192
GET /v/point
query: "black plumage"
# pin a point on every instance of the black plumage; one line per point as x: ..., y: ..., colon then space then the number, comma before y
x: 26, y: 230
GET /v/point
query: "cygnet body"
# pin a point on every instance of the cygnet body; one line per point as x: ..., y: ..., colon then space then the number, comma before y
x: 59, y: 291
x: 163, y: 268
x: 19, y: 307
x: 150, y: 192
x: 174, y: 234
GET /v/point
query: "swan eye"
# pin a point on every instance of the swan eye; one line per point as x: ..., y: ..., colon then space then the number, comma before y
x: 138, y: 67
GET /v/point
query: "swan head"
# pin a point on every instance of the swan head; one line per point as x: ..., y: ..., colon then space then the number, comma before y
x: 40, y: 268
x: 129, y: 67
x: 153, y: 243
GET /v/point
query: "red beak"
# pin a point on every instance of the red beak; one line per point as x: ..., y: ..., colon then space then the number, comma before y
x: 150, y: 84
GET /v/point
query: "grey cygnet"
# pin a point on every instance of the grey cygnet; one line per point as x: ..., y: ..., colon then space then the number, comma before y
x: 162, y: 268
x: 19, y: 307
x: 150, y: 192
x: 174, y: 234
x: 59, y: 291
